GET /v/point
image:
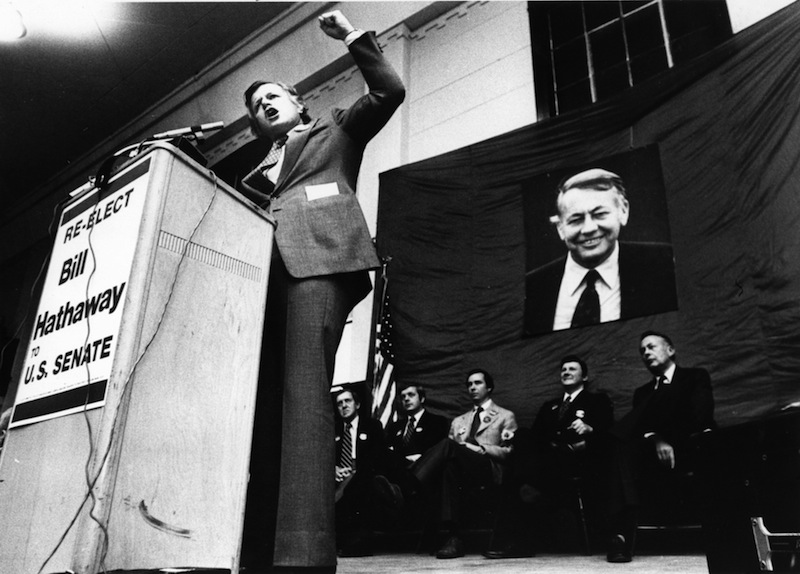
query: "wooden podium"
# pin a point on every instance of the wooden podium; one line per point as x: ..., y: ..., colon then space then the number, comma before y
x: 130, y: 442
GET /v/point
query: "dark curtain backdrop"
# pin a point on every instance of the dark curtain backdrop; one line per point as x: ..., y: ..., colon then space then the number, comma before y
x: 727, y: 131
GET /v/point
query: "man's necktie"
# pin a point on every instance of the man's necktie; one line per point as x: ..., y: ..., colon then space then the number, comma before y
x: 562, y: 410
x: 409, y: 431
x: 587, y: 312
x: 273, y: 156
x: 476, y: 422
x: 661, y: 381
x: 346, y: 454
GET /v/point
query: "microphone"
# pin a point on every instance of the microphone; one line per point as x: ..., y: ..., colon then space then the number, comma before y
x: 196, y: 131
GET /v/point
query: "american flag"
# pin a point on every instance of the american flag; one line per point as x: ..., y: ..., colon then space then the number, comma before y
x: 384, y: 390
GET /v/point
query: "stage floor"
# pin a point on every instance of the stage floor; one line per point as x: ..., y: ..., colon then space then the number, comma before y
x: 541, y: 564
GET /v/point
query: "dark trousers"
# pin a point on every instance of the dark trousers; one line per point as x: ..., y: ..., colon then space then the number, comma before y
x: 305, y: 319
x: 445, y: 470
x: 632, y: 468
x: 541, y: 485
x: 356, y: 511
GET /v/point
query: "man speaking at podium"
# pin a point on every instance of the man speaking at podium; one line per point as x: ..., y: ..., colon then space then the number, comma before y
x: 321, y: 258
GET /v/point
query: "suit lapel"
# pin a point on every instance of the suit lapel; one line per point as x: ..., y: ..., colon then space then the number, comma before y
x: 421, y: 422
x: 487, y: 417
x: 549, y: 295
x: 294, y: 147
x: 577, y: 404
x: 628, y: 279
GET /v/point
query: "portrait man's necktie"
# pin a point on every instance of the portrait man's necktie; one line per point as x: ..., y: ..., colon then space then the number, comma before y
x: 587, y: 312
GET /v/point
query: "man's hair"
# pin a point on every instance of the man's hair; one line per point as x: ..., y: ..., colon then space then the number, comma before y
x: 289, y: 89
x: 420, y: 388
x: 576, y: 359
x: 354, y: 393
x: 486, y: 377
x: 596, y: 178
x: 650, y: 333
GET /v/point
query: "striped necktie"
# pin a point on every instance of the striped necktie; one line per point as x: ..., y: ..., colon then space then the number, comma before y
x: 346, y: 452
x: 409, y: 431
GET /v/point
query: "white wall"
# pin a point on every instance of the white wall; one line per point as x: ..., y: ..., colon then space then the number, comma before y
x: 745, y: 13
x: 471, y: 77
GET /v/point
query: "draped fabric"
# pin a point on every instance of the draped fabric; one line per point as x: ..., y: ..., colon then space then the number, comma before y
x: 727, y: 132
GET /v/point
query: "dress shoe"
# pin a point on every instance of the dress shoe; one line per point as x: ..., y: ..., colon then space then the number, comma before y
x: 453, y: 548
x: 509, y: 551
x: 618, y: 550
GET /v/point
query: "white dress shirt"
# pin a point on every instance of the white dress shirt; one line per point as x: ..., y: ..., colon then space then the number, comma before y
x: 353, y: 435
x: 572, y: 287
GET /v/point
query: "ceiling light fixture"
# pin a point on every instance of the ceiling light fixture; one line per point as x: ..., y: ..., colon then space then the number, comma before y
x: 11, y: 25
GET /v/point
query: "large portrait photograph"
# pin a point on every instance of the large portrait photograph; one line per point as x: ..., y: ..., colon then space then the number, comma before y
x: 598, y: 246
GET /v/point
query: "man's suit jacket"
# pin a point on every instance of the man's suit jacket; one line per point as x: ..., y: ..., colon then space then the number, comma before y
x: 495, y: 434
x: 430, y: 429
x: 647, y: 285
x: 321, y: 229
x: 594, y: 409
x: 370, y: 445
x: 683, y: 407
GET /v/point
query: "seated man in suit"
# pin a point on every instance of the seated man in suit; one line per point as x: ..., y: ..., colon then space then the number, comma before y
x: 654, y: 440
x: 408, y: 438
x: 474, y: 453
x: 360, y: 453
x: 600, y: 279
x: 563, y: 445
x: 418, y: 430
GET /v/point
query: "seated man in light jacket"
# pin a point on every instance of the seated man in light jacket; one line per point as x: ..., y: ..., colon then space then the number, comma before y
x: 474, y: 453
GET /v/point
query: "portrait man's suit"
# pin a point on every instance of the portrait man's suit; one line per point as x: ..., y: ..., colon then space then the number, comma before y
x: 430, y: 429
x: 322, y: 251
x: 647, y: 285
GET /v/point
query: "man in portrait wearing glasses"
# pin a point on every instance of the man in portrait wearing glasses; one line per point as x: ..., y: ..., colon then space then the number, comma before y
x: 601, y: 279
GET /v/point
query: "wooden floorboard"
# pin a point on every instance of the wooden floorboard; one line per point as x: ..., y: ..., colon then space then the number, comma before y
x: 540, y: 564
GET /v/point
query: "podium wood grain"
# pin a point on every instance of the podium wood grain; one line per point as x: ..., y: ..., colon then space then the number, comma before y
x: 172, y: 443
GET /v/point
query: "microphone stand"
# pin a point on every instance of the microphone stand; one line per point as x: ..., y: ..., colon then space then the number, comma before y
x: 176, y: 137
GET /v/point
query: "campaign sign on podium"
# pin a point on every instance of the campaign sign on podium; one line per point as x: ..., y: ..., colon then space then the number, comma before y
x: 133, y: 422
x: 76, y: 329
